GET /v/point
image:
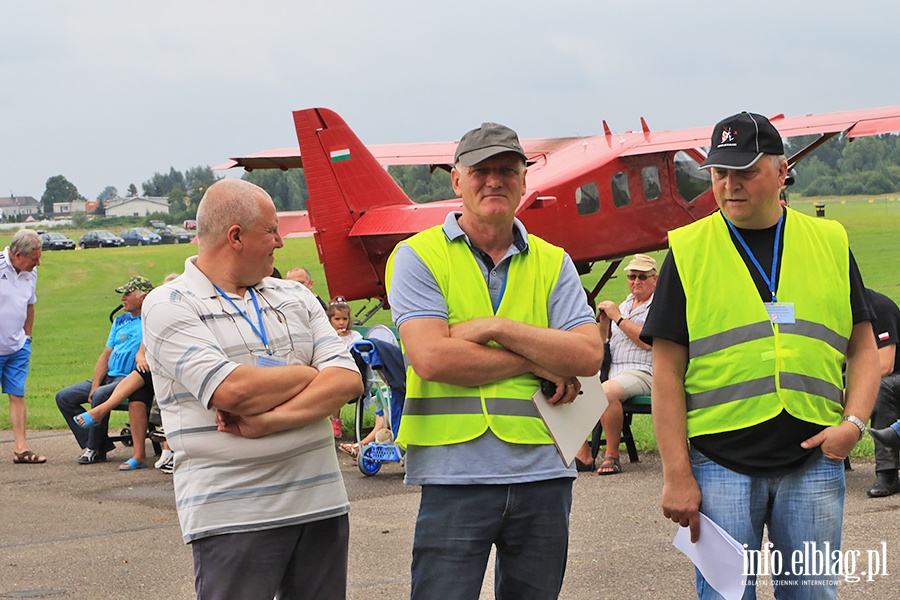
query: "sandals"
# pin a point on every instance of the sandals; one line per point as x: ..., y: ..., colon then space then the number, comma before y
x: 609, y: 466
x: 132, y: 464
x: 28, y: 458
x: 85, y: 421
x: 352, y: 450
x: 583, y: 467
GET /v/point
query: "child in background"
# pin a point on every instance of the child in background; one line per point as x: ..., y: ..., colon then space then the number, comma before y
x: 338, y: 313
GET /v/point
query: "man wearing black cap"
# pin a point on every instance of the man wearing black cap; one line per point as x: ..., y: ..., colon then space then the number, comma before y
x: 484, y: 309
x: 116, y: 361
x: 756, y: 309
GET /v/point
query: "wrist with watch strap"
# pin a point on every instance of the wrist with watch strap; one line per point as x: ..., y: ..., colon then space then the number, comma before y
x: 856, y: 423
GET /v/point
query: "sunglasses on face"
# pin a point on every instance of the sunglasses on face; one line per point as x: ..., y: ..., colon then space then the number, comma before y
x: 642, y: 277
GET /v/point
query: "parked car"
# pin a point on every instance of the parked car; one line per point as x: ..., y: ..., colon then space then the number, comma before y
x: 56, y: 241
x: 99, y: 238
x: 190, y: 224
x: 140, y: 236
x: 175, y: 235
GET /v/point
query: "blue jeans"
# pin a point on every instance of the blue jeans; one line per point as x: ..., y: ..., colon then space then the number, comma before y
x: 805, y: 506
x: 70, y: 400
x: 458, y: 524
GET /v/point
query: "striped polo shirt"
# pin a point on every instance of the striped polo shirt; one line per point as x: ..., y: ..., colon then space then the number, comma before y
x: 225, y: 483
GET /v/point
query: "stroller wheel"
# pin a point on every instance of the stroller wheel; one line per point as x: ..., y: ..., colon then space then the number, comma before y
x: 126, y: 433
x: 366, y: 465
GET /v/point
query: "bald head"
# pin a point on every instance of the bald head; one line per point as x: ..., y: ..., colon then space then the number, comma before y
x: 302, y: 276
x: 228, y: 202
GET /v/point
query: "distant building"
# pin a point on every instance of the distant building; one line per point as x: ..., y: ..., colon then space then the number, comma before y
x: 137, y: 206
x: 67, y: 208
x: 13, y: 206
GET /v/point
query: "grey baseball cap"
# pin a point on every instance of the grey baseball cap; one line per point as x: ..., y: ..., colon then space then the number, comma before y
x: 488, y: 140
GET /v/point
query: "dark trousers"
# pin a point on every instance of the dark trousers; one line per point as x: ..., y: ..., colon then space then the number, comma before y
x: 884, y: 415
x: 307, y: 561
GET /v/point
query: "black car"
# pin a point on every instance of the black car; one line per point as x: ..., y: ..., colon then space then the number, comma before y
x: 139, y: 236
x: 99, y: 238
x: 56, y: 241
x: 175, y: 235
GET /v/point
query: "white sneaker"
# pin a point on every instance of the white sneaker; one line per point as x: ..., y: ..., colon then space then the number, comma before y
x: 164, y: 458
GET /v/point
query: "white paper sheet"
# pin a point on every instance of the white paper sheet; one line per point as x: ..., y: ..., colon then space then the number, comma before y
x: 718, y: 556
x: 570, y: 424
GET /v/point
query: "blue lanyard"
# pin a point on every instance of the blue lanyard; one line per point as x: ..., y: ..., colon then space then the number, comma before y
x: 770, y: 281
x: 261, y: 331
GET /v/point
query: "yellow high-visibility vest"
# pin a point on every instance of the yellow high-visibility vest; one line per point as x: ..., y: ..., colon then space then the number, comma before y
x: 437, y: 414
x: 743, y: 369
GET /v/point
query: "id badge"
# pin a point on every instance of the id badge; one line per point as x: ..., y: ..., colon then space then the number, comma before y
x: 780, y: 313
x: 269, y: 361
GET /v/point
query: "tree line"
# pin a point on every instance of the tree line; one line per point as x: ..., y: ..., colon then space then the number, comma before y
x: 842, y: 167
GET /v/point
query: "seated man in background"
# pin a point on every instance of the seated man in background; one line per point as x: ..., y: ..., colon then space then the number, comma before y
x: 630, y: 372
x: 116, y: 361
x: 887, y: 332
x: 302, y: 276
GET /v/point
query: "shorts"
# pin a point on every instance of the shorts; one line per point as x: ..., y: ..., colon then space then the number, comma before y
x: 14, y: 370
x: 636, y: 383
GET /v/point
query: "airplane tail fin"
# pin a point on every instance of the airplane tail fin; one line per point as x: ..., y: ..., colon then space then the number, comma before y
x: 345, y: 181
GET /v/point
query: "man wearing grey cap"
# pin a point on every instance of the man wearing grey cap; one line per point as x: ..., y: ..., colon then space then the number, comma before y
x: 115, y: 362
x: 484, y: 310
x: 756, y: 309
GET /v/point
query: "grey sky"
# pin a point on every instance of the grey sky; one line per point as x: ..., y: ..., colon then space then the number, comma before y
x: 109, y: 92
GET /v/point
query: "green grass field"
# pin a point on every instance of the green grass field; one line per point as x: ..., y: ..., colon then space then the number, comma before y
x: 76, y: 292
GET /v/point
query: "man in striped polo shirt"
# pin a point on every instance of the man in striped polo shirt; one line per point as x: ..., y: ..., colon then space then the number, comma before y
x: 247, y: 370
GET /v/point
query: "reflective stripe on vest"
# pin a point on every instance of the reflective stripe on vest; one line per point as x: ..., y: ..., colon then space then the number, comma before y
x: 438, y: 413
x: 742, y: 369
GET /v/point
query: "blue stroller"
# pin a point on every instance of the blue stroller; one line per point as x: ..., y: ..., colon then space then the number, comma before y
x: 386, y: 387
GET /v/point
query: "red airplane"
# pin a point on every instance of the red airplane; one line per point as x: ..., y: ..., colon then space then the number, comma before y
x: 600, y: 198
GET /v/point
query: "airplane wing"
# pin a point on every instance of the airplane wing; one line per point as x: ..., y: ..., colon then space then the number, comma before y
x: 855, y: 123
x: 429, y: 153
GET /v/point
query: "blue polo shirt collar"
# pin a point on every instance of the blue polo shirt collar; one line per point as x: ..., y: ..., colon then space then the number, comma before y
x: 453, y: 231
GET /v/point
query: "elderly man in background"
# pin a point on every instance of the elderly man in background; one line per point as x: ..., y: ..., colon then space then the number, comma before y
x: 247, y: 370
x: 18, y: 281
x: 631, y: 369
x: 302, y: 276
x: 118, y: 359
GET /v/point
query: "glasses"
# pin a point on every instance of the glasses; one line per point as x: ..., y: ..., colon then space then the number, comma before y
x: 642, y: 276
x: 279, y: 347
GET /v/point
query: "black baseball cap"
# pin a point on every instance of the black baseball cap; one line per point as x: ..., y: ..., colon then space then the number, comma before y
x: 488, y: 140
x: 740, y: 140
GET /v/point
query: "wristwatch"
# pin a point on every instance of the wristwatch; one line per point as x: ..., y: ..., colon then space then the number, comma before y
x: 619, y: 322
x: 859, y: 424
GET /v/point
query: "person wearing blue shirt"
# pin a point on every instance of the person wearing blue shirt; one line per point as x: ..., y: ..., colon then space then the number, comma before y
x: 116, y: 361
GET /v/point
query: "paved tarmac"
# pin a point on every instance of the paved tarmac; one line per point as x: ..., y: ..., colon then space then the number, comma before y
x: 91, y: 532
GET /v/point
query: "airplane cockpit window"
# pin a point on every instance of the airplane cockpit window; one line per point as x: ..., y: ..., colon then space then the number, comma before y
x: 650, y: 183
x: 620, y: 193
x: 691, y: 181
x: 587, y: 199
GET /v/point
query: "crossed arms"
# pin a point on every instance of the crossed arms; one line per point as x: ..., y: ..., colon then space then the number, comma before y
x: 459, y: 354
x: 256, y: 401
